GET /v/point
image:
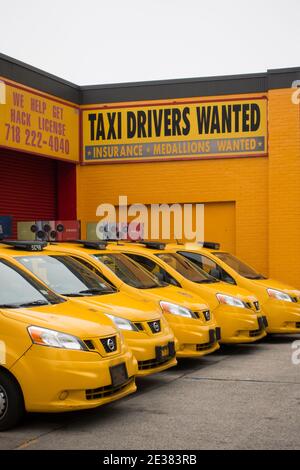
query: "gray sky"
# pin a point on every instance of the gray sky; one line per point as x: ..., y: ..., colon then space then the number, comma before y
x: 109, y: 41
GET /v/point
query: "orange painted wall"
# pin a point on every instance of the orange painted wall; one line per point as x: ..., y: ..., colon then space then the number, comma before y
x: 220, y: 224
x: 284, y: 187
x: 252, y: 204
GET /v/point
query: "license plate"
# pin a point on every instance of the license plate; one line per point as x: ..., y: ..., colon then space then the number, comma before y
x: 212, y: 336
x: 162, y: 352
x: 261, y: 324
x: 118, y: 374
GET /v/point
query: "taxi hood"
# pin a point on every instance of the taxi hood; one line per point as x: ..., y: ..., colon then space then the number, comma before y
x: 270, y: 283
x: 130, y: 306
x: 73, y: 317
x: 228, y: 289
x: 179, y: 296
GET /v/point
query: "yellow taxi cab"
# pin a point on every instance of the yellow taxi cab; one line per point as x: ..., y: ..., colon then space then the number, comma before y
x: 55, y: 354
x: 280, y: 302
x: 236, y: 310
x: 146, y: 331
x: 188, y: 315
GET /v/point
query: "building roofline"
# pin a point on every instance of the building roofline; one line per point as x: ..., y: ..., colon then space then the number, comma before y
x: 33, y: 77
x: 36, y: 70
x: 41, y: 80
x: 172, y: 81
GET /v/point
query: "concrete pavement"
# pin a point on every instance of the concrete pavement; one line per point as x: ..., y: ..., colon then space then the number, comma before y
x: 242, y: 397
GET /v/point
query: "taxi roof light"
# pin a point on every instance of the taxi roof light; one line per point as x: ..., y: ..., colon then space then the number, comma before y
x: 100, y: 245
x: 26, y: 245
x: 154, y: 245
x: 210, y: 245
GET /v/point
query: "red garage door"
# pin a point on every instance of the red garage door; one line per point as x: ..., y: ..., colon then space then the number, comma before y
x: 27, y: 187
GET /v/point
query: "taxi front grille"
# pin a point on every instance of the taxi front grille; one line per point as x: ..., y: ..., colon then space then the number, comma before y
x: 109, y: 344
x: 253, y: 333
x: 155, y: 326
x: 297, y: 325
x: 206, y: 314
x: 106, y: 391
x: 205, y: 346
x: 89, y: 344
x: 153, y: 363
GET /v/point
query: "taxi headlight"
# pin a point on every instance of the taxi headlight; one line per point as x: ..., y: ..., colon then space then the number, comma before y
x: 55, y: 339
x: 122, y: 323
x: 174, y: 309
x: 229, y: 300
x: 279, y: 295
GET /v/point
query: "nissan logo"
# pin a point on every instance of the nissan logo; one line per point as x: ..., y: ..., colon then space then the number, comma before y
x: 206, y: 315
x: 110, y: 344
x: 156, y: 326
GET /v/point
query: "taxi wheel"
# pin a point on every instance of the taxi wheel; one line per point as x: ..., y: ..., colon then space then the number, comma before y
x: 11, y: 402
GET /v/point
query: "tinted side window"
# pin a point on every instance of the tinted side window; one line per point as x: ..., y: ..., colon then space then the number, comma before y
x: 95, y: 270
x: 209, y: 266
x: 154, y: 268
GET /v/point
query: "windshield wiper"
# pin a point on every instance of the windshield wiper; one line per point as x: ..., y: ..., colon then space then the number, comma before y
x: 93, y: 291
x: 9, y: 306
x: 96, y: 290
x: 259, y: 276
x: 142, y: 286
x: 72, y: 294
x: 35, y: 303
x: 207, y: 281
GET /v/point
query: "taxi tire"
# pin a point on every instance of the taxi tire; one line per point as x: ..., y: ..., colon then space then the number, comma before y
x: 15, y: 402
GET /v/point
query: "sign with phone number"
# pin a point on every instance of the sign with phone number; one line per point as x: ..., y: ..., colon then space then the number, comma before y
x: 34, y: 122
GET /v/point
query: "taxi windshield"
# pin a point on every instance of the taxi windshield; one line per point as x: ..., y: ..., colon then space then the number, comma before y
x: 186, y: 268
x: 240, y: 267
x: 19, y: 289
x: 66, y: 276
x: 129, y: 271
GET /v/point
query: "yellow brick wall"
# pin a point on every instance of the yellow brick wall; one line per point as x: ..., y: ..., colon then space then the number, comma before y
x: 284, y: 187
x: 240, y: 181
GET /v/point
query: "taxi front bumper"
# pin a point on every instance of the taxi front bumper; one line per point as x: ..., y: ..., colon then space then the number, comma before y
x: 239, y: 325
x: 283, y: 317
x: 153, y: 353
x: 194, y: 338
x: 57, y: 380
